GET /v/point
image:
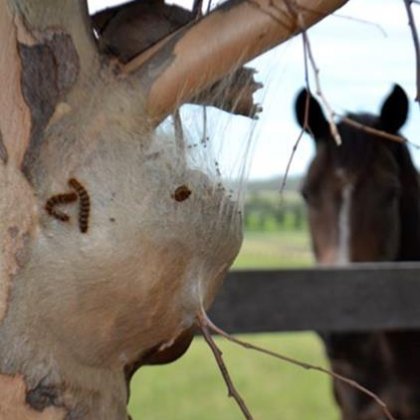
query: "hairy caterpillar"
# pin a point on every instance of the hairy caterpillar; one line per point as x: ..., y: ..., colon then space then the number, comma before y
x: 59, y: 199
x: 84, y: 206
x: 181, y: 193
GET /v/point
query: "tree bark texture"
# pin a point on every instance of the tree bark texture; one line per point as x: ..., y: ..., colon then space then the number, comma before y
x: 110, y: 243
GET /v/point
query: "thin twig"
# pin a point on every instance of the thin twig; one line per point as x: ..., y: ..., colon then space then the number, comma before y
x: 204, y: 320
x: 346, y: 17
x: 307, y: 54
x: 376, y: 132
x: 289, y: 164
x: 209, y: 5
x: 179, y: 131
x: 364, y: 22
x: 232, y: 392
x: 205, y: 135
x: 371, y: 130
x: 416, y: 43
x: 330, y: 112
x: 198, y: 9
x: 305, y: 125
x: 294, y: 9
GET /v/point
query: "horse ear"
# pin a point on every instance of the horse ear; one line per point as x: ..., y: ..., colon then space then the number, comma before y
x: 394, y: 110
x: 316, y: 123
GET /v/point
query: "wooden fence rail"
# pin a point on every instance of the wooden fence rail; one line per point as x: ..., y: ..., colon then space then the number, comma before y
x: 356, y: 298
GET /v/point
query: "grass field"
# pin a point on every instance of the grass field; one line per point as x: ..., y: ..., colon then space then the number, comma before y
x: 192, y: 388
x: 275, y: 249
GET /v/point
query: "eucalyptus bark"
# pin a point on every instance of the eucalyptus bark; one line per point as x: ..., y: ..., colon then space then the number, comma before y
x: 110, y: 244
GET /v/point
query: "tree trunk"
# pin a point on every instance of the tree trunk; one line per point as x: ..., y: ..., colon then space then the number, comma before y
x: 110, y: 243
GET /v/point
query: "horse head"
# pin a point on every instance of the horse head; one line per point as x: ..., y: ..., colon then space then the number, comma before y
x: 362, y: 196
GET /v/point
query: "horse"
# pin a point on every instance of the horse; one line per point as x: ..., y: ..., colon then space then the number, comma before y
x: 363, y: 205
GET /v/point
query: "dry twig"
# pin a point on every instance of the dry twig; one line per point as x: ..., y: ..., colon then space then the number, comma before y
x: 374, y: 131
x: 198, y: 9
x: 179, y: 131
x: 294, y: 10
x: 346, y: 17
x: 232, y: 392
x: 292, y: 155
x: 205, y: 134
x: 416, y: 42
x: 302, y: 131
x: 363, y: 21
x: 307, y: 54
x: 330, y: 112
x: 206, y: 324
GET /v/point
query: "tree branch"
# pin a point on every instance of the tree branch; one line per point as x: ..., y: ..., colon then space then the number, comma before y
x: 179, y: 68
x: 416, y: 42
x: 205, y: 323
x: 127, y: 30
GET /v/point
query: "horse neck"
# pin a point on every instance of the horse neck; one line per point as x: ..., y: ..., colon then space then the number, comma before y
x: 409, y: 211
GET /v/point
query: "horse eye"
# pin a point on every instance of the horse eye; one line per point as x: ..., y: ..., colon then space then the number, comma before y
x: 304, y: 194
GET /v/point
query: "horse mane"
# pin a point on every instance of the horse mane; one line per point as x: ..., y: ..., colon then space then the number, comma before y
x: 409, y: 205
x: 357, y: 146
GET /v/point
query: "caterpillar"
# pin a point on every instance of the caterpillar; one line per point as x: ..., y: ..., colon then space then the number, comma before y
x: 59, y: 199
x: 181, y: 193
x: 84, y: 204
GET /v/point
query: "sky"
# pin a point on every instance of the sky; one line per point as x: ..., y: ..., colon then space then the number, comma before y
x: 362, y: 50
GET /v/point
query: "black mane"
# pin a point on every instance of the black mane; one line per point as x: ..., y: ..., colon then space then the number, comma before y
x: 357, y: 145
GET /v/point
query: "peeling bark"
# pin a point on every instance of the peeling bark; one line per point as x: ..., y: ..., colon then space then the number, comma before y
x: 42, y: 397
x: 14, y: 123
x: 232, y: 94
x: 13, y: 405
x: 40, y: 90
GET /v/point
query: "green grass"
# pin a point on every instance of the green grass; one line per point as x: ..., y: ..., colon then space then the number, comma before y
x: 192, y: 388
x: 288, y: 248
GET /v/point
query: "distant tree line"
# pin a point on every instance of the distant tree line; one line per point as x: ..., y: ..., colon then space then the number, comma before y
x: 265, y: 211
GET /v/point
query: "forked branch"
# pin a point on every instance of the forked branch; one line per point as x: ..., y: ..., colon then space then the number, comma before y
x: 194, y: 58
x: 232, y: 392
x: 416, y: 43
x: 207, y: 325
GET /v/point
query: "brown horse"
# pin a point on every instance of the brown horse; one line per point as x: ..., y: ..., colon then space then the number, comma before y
x: 363, y: 203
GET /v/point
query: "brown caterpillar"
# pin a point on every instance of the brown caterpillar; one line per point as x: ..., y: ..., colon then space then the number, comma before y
x: 59, y: 199
x: 181, y: 193
x: 84, y: 205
